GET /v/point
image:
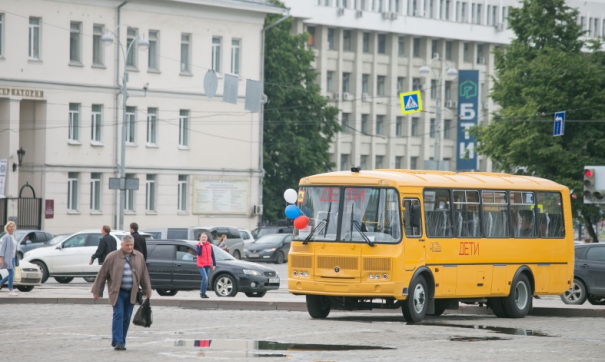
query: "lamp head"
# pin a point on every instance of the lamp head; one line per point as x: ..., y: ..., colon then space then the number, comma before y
x: 425, y: 70
x: 143, y: 43
x: 107, y: 38
x: 20, y: 154
x: 452, y: 73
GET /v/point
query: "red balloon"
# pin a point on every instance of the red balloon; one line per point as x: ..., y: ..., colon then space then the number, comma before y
x: 301, y: 222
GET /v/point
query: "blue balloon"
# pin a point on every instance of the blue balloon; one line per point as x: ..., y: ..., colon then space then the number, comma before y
x: 292, y: 212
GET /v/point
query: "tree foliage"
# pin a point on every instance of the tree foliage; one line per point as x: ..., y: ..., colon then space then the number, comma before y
x: 544, y: 71
x: 299, y: 123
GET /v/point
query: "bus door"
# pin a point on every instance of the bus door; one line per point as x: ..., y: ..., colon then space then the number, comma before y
x: 413, y: 241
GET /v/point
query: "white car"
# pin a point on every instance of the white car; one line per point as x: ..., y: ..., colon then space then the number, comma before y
x: 30, y: 276
x: 69, y: 259
x: 246, y: 236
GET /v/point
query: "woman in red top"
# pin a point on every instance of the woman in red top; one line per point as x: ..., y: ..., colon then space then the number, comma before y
x: 205, y: 262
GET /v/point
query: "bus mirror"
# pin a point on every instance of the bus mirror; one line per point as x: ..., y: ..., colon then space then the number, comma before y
x: 415, y: 215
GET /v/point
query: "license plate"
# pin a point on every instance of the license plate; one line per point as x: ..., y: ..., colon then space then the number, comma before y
x: 273, y: 280
x: 253, y: 255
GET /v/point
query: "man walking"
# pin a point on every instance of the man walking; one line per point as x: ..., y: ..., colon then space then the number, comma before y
x: 139, y: 242
x: 107, y: 244
x: 124, y: 270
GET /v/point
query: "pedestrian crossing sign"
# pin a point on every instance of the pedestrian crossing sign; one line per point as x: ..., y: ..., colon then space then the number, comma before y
x: 410, y: 102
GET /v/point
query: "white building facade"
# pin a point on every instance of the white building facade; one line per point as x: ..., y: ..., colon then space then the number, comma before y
x: 370, y: 51
x: 196, y: 158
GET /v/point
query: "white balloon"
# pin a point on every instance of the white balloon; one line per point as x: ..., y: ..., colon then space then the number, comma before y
x: 290, y: 196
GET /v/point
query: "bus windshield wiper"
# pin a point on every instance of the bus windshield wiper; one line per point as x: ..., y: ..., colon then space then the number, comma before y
x: 316, y: 228
x: 363, y: 235
x: 328, y: 219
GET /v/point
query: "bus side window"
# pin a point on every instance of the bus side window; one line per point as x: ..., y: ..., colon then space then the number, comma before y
x: 412, y: 218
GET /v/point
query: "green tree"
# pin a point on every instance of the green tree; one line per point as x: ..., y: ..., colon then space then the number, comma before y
x: 544, y: 71
x: 299, y: 122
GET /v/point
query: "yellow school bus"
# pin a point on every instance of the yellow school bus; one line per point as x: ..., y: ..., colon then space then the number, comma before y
x: 425, y: 240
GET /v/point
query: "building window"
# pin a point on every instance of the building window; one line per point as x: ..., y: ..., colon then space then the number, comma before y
x: 344, y: 162
x: 131, y: 124
x: 75, y: 43
x: 413, y: 163
x: 311, y: 40
x: 364, y: 123
x: 432, y: 128
x: 129, y: 202
x: 434, y: 48
x: 96, y: 122
x: 479, y: 13
x: 34, y: 38
x: 447, y: 10
x: 416, y: 48
x: 150, y: 193
x: 331, y: 44
x: 463, y: 17
x: 95, y: 191
x: 465, y: 55
x: 152, y: 125
x: 346, y: 82
x: 382, y: 44
x: 431, y: 8
x: 379, y: 161
x: 434, y: 88
x: 1, y: 35
x: 154, y: 50
x: 366, y: 42
x: 398, y: 161
x: 415, y: 122
x: 345, y: 123
x: 473, y: 13
x: 399, y: 127
x: 98, y: 55
x: 400, y: 81
x: 182, y: 193
x: 72, y: 191
x: 346, y: 41
x: 380, y: 85
x: 186, y: 53
x: 365, y: 78
x: 447, y: 125
x: 236, y: 45
x: 132, y: 56
x: 494, y: 15
x: 330, y: 82
x: 448, y: 90
x: 480, y: 59
x: 416, y: 84
x: 364, y: 162
x: 74, y: 121
x: 448, y: 50
x: 379, y: 124
x: 184, y: 128
x: 401, y: 46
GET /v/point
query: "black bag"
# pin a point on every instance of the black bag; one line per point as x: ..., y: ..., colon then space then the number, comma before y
x: 144, y: 316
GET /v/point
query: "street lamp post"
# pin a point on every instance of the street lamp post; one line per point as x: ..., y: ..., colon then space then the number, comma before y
x: 451, y: 73
x: 108, y: 38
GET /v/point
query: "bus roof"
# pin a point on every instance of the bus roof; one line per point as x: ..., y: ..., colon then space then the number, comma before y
x: 422, y: 178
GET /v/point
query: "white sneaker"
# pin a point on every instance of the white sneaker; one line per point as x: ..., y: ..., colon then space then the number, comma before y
x: 13, y: 293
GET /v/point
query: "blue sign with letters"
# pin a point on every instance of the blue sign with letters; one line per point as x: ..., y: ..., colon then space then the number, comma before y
x: 559, y: 129
x: 468, y: 111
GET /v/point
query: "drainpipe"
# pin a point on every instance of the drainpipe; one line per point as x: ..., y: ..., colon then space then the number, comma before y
x: 116, y: 136
x: 262, y: 106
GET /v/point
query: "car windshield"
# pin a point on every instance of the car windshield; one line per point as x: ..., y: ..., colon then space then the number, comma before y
x: 221, y: 255
x: 270, y: 239
x: 58, y: 239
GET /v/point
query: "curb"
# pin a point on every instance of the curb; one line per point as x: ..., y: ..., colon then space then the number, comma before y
x: 297, y: 306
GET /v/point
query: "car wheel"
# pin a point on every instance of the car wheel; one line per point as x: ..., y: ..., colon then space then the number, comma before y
x: 279, y: 257
x: 256, y: 294
x: 43, y: 269
x: 596, y: 301
x: 415, y: 306
x: 63, y: 280
x: 225, y: 286
x: 167, y: 292
x: 576, y: 294
x: 518, y: 302
x: 25, y: 288
x: 237, y: 255
x: 90, y: 279
x: 318, y: 306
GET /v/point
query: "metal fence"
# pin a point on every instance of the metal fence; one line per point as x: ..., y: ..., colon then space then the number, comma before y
x: 28, y: 212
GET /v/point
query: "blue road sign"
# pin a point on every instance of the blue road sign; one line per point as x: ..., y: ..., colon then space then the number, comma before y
x: 559, y: 128
x: 411, y: 102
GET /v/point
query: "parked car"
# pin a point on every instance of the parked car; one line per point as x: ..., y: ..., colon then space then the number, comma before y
x: 234, y: 242
x: 69, y: 258
x: 589, y: 276
x: 266, y: 230
x: 246, y: 237
x: 172, y: 266
x: 30, y: 276
x: 29, y: 240
x: 57, y: 239
x: 273, y: 247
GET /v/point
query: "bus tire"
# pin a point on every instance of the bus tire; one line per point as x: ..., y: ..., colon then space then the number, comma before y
x: 415, y: 306
x: 518, y: 302
x: 497, y: 307
x: 318, y: 306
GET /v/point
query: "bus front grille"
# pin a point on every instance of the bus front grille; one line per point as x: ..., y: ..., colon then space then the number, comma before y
x: 301, y: 261
x: 301, y: 248
x: 377, y: 264
x: 344, y: 263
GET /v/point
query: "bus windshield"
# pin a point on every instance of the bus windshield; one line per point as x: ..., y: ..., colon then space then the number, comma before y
x: 350, y: 214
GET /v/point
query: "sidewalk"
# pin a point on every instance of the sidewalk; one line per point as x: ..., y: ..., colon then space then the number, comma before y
x: 79, y: 293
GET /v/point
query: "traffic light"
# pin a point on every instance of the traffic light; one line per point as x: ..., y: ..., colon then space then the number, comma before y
x: 593, y: 194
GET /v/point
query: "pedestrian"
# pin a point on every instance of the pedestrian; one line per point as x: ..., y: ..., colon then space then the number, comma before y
x: 205, y: 262
x: 222, y: 243
x: 139, y: 242
x: 107, y: 244
x: 8, y: 256
x: 124, y: 270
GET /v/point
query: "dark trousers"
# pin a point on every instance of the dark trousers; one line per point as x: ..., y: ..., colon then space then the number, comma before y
x: 122, y: 312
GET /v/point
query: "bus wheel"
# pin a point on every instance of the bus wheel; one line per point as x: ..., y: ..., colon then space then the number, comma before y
x: 318, y: 306
x: 518, y: 302
x: 415, y: 306
x: 497, y: 307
